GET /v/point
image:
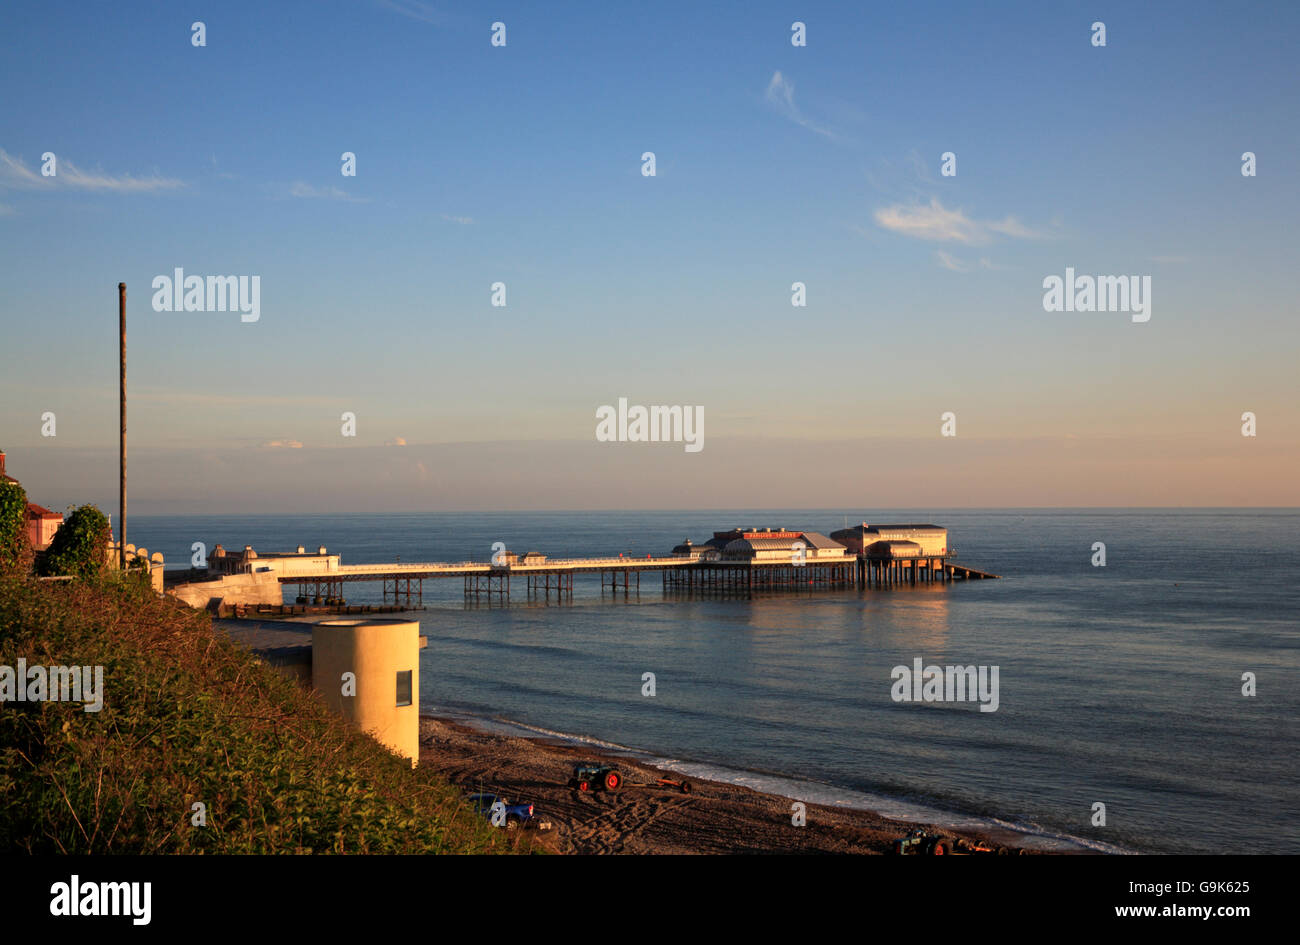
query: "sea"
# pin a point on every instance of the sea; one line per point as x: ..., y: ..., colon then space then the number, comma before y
x: 1147, y: 705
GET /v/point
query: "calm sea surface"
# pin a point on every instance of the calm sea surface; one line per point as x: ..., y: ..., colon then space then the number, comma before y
x: 1119, y: 685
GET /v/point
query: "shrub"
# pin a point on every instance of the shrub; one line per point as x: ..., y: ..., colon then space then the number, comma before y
x: 79, y: 547
x: 189, y: 717
x: 15, y: 549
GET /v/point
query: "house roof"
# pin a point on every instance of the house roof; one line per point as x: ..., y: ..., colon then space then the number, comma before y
x: 40, y: 511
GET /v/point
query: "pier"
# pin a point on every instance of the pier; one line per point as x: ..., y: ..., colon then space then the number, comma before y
x: 405, y: 581
x: 480, y: 578
x: 740, y: 561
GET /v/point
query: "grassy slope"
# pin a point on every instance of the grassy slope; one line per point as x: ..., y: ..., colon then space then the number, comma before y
x: 189, y: 717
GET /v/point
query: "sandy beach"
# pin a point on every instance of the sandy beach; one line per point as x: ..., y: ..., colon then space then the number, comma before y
x: 645, y: 817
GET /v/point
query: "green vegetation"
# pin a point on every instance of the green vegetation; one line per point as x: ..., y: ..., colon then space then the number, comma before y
x: 189, y: 717
x: 15, y: 552
x: 79, y: 547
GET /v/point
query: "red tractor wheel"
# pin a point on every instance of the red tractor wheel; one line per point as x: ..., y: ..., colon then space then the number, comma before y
x: 613, y: 781
x: 941, y: 847
x: 584, y: 786
x: 686, y: 787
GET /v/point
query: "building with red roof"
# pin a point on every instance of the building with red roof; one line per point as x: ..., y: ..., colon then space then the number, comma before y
x: 41, y: 522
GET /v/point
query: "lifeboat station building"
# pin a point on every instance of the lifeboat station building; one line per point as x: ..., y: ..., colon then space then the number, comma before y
x: 891, y: 554
x: 929, y: 540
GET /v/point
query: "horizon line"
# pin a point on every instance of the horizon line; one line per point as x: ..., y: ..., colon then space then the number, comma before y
x: 949, y: 508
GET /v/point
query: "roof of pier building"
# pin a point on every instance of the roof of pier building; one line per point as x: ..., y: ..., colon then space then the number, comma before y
x: 720, y: 539
x: 740, y: 546
x: 902, y: 526
x: 782, y: 544
x: 821, y: 542
x: 708, y: 551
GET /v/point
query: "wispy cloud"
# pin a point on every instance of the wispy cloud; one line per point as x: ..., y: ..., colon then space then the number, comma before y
x: 948, y: 262
x: 17, y: 175
x: 1172, y: 260
x: 780, y: 95
x: 395, y: 441
x: 282, y: 444
x: 1014, y: 228
x: 302, y: 189
x: 939, y: 224
x: 414, y: 9
x: 463, y: 221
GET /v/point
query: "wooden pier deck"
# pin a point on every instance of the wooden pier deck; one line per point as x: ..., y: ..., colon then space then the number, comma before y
x: 406, y: 579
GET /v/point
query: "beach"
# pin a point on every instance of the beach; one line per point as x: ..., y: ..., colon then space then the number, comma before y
x: 645, y: 817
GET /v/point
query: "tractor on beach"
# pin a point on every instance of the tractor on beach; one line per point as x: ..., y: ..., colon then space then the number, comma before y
x: 592, y: 776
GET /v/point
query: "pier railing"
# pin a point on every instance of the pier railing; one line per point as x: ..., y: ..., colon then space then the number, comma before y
x: 402, y: 567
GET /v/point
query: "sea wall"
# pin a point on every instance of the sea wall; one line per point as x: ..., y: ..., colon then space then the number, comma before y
x: 230, y: 589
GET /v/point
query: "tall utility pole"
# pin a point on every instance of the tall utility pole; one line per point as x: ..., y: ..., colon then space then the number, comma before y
x: 121, y: 330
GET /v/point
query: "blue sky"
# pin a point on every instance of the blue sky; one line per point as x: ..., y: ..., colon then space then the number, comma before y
x: 775, y: 164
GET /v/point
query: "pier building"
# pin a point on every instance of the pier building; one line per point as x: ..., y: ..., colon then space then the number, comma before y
x: 930, y: 540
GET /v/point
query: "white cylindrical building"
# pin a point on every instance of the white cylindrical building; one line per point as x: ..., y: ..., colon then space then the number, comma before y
x: 382, y: 696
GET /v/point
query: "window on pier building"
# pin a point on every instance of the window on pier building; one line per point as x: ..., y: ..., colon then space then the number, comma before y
x: 404, y: 687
